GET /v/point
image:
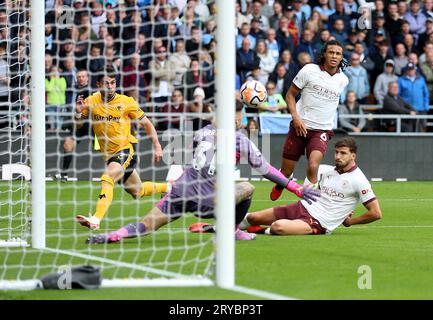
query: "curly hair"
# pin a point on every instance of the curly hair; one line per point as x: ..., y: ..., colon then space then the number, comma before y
x: 321, y: 57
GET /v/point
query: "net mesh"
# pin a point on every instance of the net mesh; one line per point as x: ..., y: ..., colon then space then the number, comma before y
x: 163, y: 57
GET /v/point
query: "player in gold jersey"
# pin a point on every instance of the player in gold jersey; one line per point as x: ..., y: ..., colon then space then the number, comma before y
x: 111, y: 115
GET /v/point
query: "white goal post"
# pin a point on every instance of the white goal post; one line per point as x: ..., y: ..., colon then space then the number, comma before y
x: 43, y: 249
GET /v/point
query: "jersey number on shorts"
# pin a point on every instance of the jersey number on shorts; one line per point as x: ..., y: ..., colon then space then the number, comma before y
x: 200, y: 157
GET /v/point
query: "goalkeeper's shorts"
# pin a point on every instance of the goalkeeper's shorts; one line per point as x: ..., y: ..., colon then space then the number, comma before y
x: 175, y: 206
x: 128, y: 159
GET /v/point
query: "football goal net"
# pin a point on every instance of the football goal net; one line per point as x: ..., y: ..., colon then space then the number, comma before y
x: 170, y: 66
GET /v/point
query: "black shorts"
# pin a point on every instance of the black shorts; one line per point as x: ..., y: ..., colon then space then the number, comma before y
x: 128, y: 160
x: 80, y: 133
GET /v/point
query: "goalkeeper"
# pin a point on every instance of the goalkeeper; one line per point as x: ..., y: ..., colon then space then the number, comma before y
x: 194, y: 190
x: 110, y: 115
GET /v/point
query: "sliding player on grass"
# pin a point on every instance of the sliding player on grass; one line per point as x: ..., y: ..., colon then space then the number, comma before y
x: 194, y: 190
x: 320, y: 86
x: 342, y: 189
x: 111, y: 115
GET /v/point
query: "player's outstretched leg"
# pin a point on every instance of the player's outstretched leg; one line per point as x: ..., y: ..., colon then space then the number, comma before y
x: 129, y: 231
x: 138, y: 189
x: 287, y: 168
x: 154, y: 220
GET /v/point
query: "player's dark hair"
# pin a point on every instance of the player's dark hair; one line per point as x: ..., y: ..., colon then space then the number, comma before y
x: 108, y: 71
x: 321, y: 58
x: 347, y: 142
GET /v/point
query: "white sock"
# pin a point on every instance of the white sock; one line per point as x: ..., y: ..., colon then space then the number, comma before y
x: 244, y: 223
x: 94, y: 220
x: 309, y: 184
x: 268, y: 230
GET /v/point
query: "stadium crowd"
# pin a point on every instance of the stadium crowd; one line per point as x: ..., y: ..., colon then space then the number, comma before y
x: 163, y: 51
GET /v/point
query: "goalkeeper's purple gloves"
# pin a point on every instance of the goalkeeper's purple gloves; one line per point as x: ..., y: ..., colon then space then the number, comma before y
x: 306, y: 193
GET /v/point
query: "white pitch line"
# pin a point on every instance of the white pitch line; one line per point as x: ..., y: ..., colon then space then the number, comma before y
x: 377, y: 227
x: 261, y: 293
x: 380, y: 199
x: 114, y: 262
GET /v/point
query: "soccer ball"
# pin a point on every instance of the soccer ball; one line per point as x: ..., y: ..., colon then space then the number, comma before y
x: 253, y: 93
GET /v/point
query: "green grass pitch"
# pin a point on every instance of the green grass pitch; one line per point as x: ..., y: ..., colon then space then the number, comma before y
x: 398, y: 250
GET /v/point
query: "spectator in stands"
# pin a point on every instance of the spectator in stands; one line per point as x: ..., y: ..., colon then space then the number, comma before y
x: 132, y: 25
x: 393, y: 22
x: 267, y: 62
x: 276, y: 16
x: 98, y: 17
x: 112, y: 23
x: 275, y: 102
x: 255, y: 30
x: 299, y: 16
x: 325, y: 11
x: 427, y: 9
x: 394, y: 104
x: 339, y: 31
x: 200, y: 9
x: 303, y: 59
x: 284, y: 36
x: 423, y: 37
x: 198, y: 105
x: 402, y: 7
x: 324, y: 37
x: 428, y: 47
x: 246, y: 60
x: 254, y: 74
x: 69, y: 72
x: 350, y: 6
x: 339, y: 15
x: 379, y: 57
x: 378, y: 28
x: 358, y: 79
x: 67, y: 48
x: 306, y: 44
x: 133, y: 77
x: 55, y: 88
x: 289, y: 64
x: 273, y: 45
x: 416, y: 19
x: 351, y: 107
x: 409, y: 43
x: 252, y: 128
x: 400, y: 58
x: 193, y: 44
x: 240, y: 18
x: 350, y: 42
x: 195, y: 77
x: 281, y: 78
x: 181, y: 62
x: 413, y: 58
x: 50, y: 39
x: 96, y: 63
x: 427, y: 68
x: 176, y: 105
x: 188, y: 21
x: 379, y: 8
x: 413, y: 89
x: 209, y: 33
x: 314, y: 23
x: 163, y: 74
x: 83, y: 37
x: 381, y: 84
x: 245, y: 33
x: 257, y: 14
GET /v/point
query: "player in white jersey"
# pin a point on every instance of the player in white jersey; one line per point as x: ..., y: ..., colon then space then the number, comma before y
x: 320, y: 86
x: 342, y: 189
